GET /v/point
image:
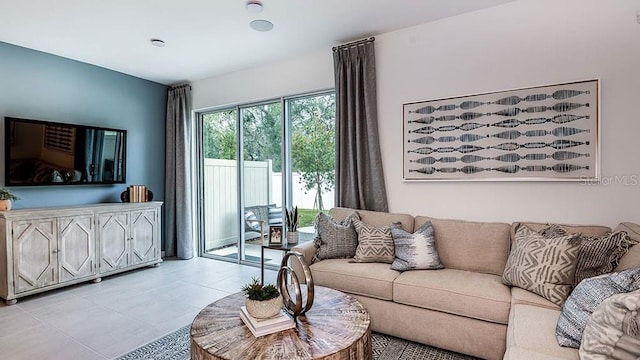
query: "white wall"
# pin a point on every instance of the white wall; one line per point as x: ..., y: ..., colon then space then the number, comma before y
x: 312, y: 72
x: 524, y: 43
x: 519, y: 44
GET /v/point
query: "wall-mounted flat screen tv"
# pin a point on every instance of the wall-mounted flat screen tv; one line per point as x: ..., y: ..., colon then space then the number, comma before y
x: 51, y: 153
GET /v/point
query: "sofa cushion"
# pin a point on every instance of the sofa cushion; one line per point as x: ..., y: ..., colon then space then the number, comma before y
x: 532, y: 328
x: 522, y: 296
x: 632, y: 258
x: 415, y: 251
x: 335, y: 239
x: 545, y: 266
x: 464, y: 293
x: 367, y: 279
x: 599, y: 255
x: 374, y: 218
x: 375, y: 244
x: 517, y: 353
x: 586, y: 297
x: 472, y: 246
x: 612, y: 331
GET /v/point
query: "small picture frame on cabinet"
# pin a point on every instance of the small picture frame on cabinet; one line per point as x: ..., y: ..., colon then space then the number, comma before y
x: 275, y: 235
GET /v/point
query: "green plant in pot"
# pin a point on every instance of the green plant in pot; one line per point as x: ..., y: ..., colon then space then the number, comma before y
x: 6, y: 197
x: 263, y: 301
x: 292, y: 219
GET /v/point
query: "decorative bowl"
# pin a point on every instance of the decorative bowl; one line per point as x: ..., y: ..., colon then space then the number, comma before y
x: 264, y: 309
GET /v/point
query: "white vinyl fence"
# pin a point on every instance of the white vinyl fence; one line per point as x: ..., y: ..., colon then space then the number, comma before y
x: 262, y: 186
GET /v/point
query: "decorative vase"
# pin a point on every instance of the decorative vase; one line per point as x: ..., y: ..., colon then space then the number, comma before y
x: 292, y: 237
x: 264, y: 309
x: 5, y: 205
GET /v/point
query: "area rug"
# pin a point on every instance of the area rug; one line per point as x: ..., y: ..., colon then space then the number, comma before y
x: 176, y: 346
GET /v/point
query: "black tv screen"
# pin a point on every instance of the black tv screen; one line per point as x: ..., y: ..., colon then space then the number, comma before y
x: 51, y: 153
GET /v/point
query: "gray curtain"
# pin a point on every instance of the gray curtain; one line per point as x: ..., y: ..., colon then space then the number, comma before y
x: 359, y: 176
x: 178, y: 201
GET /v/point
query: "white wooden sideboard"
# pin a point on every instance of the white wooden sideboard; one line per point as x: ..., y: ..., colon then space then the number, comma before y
x: 48, y: 248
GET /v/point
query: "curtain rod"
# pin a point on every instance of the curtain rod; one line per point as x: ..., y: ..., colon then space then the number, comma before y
x: 354, y: 43
x: 173, y: 87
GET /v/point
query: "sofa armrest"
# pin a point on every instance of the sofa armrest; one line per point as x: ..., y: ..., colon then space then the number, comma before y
x: 308, y: 251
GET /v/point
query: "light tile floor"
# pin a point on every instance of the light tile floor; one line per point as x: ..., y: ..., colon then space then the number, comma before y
x: 121, y: 313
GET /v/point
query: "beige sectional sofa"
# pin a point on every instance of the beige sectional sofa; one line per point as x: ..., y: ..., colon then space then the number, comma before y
x: 465, y: 307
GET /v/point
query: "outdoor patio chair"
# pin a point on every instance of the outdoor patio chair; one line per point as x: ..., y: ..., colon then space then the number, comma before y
x: 259, y: 218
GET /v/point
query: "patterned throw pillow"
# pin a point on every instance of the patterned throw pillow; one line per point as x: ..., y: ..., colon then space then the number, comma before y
x: 553, y: 231
x: 542, y: 265
x: 415, y: 251
x: 599, y: 255
x: 335, y: 240
x: 586, y: 297
x: 375, y: 244
x: 612, y: 331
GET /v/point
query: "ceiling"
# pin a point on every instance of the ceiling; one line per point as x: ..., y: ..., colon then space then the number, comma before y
x: 205, y: 38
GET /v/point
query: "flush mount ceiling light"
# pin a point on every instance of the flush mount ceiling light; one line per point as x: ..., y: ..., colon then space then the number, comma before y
x: 254, y: 6
x: 261, y: 25
x: 157, y: 42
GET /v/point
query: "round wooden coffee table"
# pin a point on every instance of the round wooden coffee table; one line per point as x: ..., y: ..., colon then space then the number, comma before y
x: 336, y: 327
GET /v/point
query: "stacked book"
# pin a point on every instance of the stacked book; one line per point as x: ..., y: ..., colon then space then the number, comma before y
x: 138, y: 193
x: 261, y: 327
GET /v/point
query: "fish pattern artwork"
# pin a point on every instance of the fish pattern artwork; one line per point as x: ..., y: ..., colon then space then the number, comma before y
x: 546, y: 132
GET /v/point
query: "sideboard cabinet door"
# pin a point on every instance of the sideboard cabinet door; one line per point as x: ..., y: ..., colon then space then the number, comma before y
x: 35, y: 262
x: 145, y: 239
x: 77, y: 247
x: 113, y: 231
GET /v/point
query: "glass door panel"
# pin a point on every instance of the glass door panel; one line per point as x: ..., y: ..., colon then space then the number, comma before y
x: 220, y: 191
x: 262, y: 175
x: 312, y: 128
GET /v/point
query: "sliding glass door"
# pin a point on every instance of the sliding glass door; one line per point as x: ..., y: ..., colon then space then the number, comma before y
x: 257, y: 159
x: 262, y: 173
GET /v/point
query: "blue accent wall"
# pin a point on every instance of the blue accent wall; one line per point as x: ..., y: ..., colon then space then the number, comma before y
x: 41, y: 86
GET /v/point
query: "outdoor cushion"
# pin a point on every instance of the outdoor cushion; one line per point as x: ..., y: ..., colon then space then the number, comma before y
x: 465, y: 293
x: 367, y: 279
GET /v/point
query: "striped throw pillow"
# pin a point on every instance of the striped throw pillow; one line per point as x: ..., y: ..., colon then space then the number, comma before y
x: 599, y: 255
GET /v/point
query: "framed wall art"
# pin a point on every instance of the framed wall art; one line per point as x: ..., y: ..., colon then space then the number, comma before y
x: 546, y: 132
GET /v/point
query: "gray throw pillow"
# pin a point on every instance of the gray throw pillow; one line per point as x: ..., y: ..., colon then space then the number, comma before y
x: 335, y: 240
x: 415, y: 251
x: 586, y: 297
x: 599, y: 255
